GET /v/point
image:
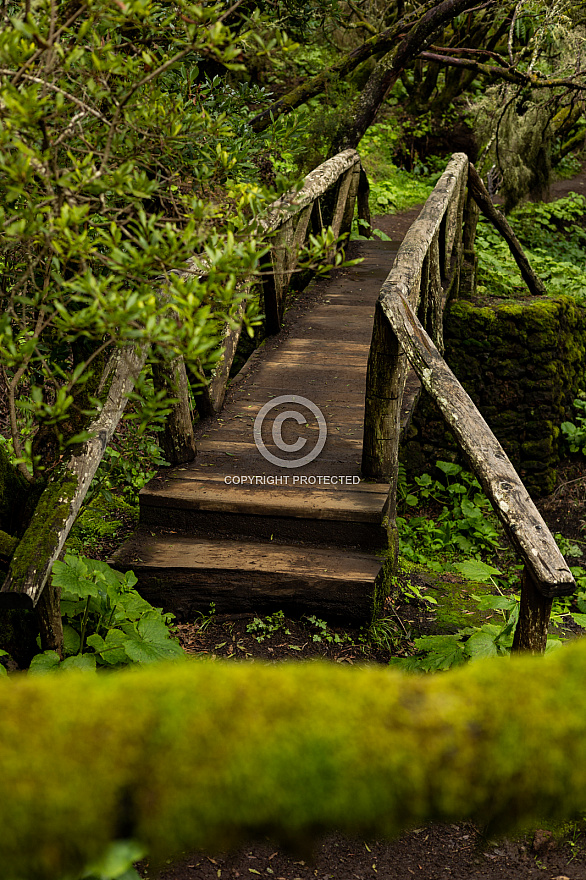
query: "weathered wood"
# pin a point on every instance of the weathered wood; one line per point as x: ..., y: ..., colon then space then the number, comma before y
x: 348, y: 216
x: 468, y: 268
x: 434, y: 317
x: 534, y: 613
x: 315, y: 184
x: 500, y: 222
x: 284, y: 254
x: 184, y: 574
x: 342, y: 194
x: 60, y: 503
x: 417, y: 270
x: 452, y: 281
x: 214, y: 393
x: 363, y: 206
x: 176, y: 439
x: 515, y: 508
x: 385, y: 381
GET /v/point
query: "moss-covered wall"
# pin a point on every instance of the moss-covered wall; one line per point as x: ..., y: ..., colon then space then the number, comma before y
x: 523, y: 364
x: 208, y: 754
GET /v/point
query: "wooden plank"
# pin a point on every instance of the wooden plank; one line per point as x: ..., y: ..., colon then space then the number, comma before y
x: 515, y: 508
x: 305, y: 502
x: 184, y: 575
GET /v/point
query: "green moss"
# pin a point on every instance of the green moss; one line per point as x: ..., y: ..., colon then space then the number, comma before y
x: 8, y: 544
x: 523, y: 363
x: 50, y: 514
x: 453, y: 610
x: 206, y: 755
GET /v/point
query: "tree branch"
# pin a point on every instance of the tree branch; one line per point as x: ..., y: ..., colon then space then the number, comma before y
x: 427, y: 19
x: 509, y: 75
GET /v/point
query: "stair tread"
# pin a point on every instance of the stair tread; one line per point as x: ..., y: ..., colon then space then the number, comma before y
x: 175, y: 551
x: 308, y: 501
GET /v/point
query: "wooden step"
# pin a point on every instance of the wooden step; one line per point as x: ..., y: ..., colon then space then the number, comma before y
x: 184, y: 575
x: 345, y: 516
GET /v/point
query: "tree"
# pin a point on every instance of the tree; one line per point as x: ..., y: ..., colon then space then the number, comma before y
x: 116, y: 168
x: 527, y: 54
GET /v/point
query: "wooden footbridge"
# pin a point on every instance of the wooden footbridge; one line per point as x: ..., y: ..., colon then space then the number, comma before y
x: 290, y: 500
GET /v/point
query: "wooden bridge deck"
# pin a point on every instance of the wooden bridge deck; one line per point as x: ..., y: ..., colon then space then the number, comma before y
x: 250, y: 535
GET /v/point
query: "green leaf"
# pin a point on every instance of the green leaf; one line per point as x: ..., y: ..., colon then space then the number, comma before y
x: 117, y: 861
x: 70, y: 576
x: 71, y: 639
x: 443, y: 652
x: 495, y: 603
x: 111, y: 649
x: 449, y: 468
x: 475, y: 570
x: 481, y: 644
x: 580, y: 619
x: 44, y: 663
x: 470, y: 510
x: 80, y: 661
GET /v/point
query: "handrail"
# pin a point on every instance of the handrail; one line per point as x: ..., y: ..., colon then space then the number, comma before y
x: 288, y: 223
x: 399, y: 335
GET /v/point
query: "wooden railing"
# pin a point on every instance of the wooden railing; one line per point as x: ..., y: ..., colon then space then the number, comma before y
x: 327, y: 199
x: 408, y: 328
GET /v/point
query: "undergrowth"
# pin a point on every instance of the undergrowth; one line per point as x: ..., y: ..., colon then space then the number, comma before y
x: 392, y: 189
x: 452, y: 528
x: 555, y: 244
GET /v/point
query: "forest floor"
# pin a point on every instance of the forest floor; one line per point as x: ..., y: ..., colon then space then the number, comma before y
x: 434, y: 852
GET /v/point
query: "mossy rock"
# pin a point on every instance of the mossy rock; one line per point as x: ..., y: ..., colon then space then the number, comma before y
x: 523, y: 363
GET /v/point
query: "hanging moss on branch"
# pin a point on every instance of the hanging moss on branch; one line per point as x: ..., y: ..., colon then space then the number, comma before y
x: 202, y: 755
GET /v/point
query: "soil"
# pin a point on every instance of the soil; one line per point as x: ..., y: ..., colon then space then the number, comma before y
x: 455, y: 851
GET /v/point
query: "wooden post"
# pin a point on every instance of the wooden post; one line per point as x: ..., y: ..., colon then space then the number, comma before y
x: 385, y: 381
x: 363, y: 206
x: 284, y: 255
x: 176, y: 439
x: 533, y: 623
x: 348, y: 216
x: 435, y: 323
x: 467, y: 283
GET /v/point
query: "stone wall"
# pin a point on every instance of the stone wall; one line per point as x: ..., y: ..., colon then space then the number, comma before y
x: 523, y: 363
